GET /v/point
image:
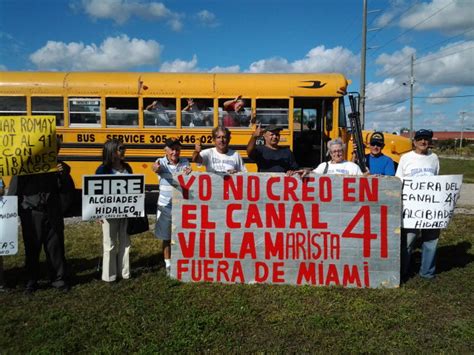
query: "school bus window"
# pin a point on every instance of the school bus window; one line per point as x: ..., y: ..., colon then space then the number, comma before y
x: 121, y: 111
x: 273, y: 111
x: 197, y: 112
x: 235, y: 112
x: 12, y: 105
x: 84, y: 111
x: 159, y: 112
x: 342, y: 113
x: 48, y: 106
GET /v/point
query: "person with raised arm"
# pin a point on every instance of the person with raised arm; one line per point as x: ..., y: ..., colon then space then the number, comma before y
x: 220, y: 158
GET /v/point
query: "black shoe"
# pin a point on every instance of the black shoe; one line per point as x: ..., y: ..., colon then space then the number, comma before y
x: 31, y: 287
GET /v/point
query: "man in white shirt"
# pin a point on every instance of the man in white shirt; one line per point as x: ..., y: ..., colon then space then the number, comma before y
x: 419, y: 162
x: 220, y: 159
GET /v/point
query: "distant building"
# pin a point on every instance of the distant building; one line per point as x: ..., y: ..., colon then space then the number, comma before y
x: 445, y: 135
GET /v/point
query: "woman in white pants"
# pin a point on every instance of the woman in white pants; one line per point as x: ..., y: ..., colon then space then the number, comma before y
x: 116, y: 241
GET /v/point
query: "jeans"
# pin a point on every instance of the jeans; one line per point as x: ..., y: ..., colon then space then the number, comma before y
x: 429, y: 238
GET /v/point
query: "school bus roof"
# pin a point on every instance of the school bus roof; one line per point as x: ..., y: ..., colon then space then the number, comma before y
x: 173, y: 84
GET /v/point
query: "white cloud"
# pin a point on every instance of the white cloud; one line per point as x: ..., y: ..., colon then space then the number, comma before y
x: 207, y: 18
x: 444, y: 15
x: 114, y: 53
x: 386, y: 92
x: 450, y: 65
x: 318, y: 59
x: 121, y: 11
x: 179, y: 65
x: 230, y: 69
x: 438, y: 97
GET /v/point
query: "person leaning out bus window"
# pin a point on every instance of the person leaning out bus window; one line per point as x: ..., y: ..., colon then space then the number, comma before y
x: 116, y: 241
x: 165, y: 167
x: 337, y: 165
x: 220, y: 159
x: 235, y: 115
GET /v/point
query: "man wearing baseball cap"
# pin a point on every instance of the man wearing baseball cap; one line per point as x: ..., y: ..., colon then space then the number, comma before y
x: 271, y: 157
x: 377, y: 162
x: 419, y: 162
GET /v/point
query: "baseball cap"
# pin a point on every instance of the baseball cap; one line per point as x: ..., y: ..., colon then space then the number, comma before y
x: 171, y: 142
x: 424, y: 133
x: 377, y: 137
x: 273, y: 127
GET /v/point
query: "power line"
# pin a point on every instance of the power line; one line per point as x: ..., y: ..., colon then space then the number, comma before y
x: 441, y: 97
x: 413, y: 27
x: 442, y: 56
x: 387, y: 106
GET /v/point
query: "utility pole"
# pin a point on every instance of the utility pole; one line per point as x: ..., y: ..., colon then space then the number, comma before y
x: 462, y: 113
x: 363, y: 55
x: 412, y: 82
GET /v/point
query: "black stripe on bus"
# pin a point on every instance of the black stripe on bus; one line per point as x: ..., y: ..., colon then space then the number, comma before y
x: 128, y: 159
x: 144, y: 146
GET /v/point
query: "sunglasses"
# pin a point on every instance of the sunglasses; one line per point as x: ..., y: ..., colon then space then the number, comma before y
x: 376, y: 144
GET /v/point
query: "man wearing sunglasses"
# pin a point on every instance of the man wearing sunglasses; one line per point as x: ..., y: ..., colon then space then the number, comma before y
x: 377, y: 162
x: 419, y: 162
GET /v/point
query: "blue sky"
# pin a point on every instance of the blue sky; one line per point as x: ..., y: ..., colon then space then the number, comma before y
x: 263, y: 36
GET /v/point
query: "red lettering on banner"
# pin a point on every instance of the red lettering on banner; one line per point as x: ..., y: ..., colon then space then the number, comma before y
x: 325, y: 189
x: 205, y: 222
x: 315, y: 223
x: 351, y: 275
x: 270, y: 182
x: 253, y: 188
x: 366, y: 274
x: 298, y: 216
x: 185, y: 185
x: 253, y: 217
x: 307, y: 190
x: 187, y: 248
x: 367, y: 191
x: 383, y: 232
x: 210, y: 270
x: 348, y: 191
x: 274, y: 218
x: 289, y: 186
x: 274, y: 248
x: 248, y: 246
x: 366, y: 235
x: 332, y: 275
x: 188, y: 218
x: 205, y: 188
x: 278, y: 274
x: 261, y: 271
x: 229, y: 216
x: 234, y: 184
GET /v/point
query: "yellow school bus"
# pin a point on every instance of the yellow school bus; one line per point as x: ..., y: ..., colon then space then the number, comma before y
x: 144, y: 109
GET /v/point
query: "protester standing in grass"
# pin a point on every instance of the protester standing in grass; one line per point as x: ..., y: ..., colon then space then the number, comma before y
x: 116, y: 241
x: 220, y: 159
x: 419, y: 162
x: 165, y: 167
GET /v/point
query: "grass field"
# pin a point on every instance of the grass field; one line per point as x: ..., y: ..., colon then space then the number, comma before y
x: 458, y: 166
x: 151, y: 313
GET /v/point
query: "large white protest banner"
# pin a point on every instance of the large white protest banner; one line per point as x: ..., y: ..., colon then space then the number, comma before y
x: 113, y: 196
x: 8, y: 225
x: 428, y: 202
x: 325, y: 230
